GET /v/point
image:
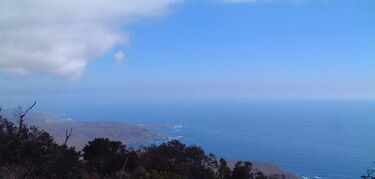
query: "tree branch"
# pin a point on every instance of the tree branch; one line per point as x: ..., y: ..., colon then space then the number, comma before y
x: 22, y: 115
x: 67, y: 135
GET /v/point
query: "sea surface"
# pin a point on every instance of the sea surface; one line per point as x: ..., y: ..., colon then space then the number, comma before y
x: 311, y: 138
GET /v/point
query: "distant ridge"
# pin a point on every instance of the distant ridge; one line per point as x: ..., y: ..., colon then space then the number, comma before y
x: 89, y: 130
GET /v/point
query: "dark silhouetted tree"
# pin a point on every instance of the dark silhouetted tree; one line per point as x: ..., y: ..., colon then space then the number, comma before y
x: 175, y: 157
x: 34, y: 154
x: 105, y: 157
x: 242, y: 170
x: 223, y: 172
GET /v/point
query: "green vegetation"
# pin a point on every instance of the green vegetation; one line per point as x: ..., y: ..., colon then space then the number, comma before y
x: 27, y: 152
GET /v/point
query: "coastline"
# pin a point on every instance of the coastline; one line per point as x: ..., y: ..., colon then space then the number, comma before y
x: 131, y: 135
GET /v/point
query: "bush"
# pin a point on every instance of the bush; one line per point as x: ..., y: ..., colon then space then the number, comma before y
x: 105, y: 157
x: 33, y: 153
x: 175, y: 157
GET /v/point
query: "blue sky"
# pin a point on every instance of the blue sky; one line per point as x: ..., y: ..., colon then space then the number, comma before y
x: 204, y: 50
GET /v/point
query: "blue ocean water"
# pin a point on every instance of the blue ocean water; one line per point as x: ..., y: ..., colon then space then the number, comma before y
x: 329, y: 139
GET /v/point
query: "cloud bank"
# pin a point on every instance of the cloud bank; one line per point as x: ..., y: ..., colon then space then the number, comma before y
x: 60, y: 37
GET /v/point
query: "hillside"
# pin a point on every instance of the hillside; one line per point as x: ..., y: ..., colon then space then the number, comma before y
x: 89, y: 130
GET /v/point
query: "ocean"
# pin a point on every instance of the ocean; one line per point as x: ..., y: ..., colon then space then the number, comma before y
x: 311, y: 138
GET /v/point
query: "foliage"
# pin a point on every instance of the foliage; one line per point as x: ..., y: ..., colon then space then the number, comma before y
x: 175, y: 157
x: 223, y: 172
x: 104, y: 157
x: 242, y: 170
x: 32, y: 152
x: 161, y: 175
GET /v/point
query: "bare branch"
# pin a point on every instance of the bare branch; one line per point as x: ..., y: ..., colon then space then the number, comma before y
x: 21, y: 115
x: 67, y: 135
x: 28, y: 109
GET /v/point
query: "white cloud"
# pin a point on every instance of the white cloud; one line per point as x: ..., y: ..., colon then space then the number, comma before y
x: 61, y: 37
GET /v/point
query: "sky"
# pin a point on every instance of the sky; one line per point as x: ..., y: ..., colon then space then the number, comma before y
x: 69, y: 52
